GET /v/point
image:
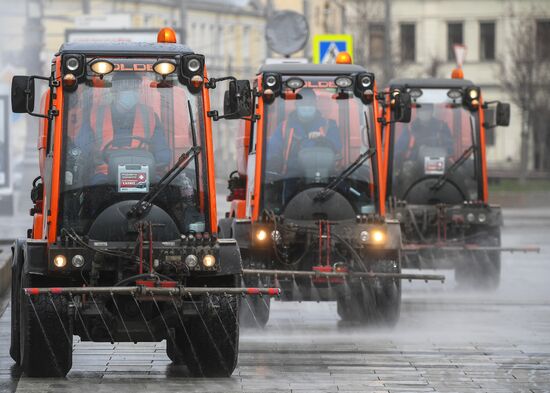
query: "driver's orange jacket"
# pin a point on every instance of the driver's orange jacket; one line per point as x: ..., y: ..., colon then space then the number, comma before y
x: 102, y: 126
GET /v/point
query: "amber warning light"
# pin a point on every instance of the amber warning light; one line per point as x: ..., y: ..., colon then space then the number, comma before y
x: 166, y: 36
x: 343, y: 58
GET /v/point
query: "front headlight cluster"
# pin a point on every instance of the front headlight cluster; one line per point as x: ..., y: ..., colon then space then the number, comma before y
x: 208, y: 261
x: 373, y: 236
x: 472, y: 218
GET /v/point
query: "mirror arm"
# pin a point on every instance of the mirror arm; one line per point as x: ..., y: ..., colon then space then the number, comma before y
x: 211, y: 84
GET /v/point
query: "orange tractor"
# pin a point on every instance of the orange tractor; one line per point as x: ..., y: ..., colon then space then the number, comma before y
x: 123, y: 245
x: 307, y: 206
x: 436, y: 171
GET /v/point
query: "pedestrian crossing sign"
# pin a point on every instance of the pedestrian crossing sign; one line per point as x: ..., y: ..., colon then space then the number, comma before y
x: 327, y: 46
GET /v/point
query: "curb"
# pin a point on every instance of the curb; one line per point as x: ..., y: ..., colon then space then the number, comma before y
x: 5, y: 270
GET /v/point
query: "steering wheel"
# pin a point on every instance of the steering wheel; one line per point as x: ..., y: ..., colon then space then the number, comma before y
x: 431, y: 177
x: 142, y: 143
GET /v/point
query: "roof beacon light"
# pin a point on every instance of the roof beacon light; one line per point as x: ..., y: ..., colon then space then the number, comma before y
x: 457, y: 73
x: 166, y: 35
x: 343, y: 58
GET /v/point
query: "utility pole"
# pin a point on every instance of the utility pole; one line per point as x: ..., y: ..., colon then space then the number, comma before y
x: 388, y: 60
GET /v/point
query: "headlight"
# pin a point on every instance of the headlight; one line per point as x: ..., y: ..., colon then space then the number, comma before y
x: 164, y: 67
x: 292, y: 83
x: 261, y: 235
x: 193, y: 65
x: 78, y: 261
x: 378, y: 236
x: 102, y: 67
x: 276, y: 236
x: 60, y: 261
x: 366, y: 81
x: 343, y: 81
x: 271, y: 81
x: 72, y: 64
x: 481, y: 217
x: 191, y: 261
x: 209, y: 260
x: 470, y: 217
x: 364, y: 236
x: 473, y: 94
x: 196, y: 81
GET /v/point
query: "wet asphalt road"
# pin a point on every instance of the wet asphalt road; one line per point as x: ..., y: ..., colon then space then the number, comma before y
x: 447, y: 340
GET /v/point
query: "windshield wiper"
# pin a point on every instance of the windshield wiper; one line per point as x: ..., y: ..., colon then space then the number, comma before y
x: 445, y: 176
x: 146, y: 202
x: 324, y: 193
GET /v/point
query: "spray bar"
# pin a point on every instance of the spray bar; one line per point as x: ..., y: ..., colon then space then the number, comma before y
x: 142, y: 290
x: 468, y: 247
x: 302, y: 273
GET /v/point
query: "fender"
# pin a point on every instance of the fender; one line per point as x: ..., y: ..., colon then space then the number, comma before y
x: 230, y: 257
x: 35, y: 254
x: 241, y: 229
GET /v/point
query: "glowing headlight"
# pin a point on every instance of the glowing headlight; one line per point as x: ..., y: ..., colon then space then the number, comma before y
x: 60, y: 261
x: 473, y: 94
x: 378, y: 236
x: 276, y: 236
x: 343, y: 81
x: 470, y: 217
x: 193, y: 65
x: 481, y: 217
x: 78, y: 261
x: 102, y: 67
x: 72, y: 64
x: 191, y: 261
x: 364, y: 236
x: 164, y: 67
x: 270, y: 81
x: 209, y: 260
x: 261, y: 235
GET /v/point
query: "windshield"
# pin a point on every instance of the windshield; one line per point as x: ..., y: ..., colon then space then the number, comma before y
x: 122, y: 134
x: 312, y: 135
x: 440, y: 132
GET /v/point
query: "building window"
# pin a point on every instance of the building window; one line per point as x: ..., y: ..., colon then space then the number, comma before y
x: 454, y: 36
x: 543, y: 41
x: 376, y: 41
x: 487, y: 41
x: 408, y: 42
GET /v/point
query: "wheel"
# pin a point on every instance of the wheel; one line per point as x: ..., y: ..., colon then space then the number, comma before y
x: 350, y: 309
x: 479, y: 270
x: 46, y: 334
x: 16, y: 267
x: 388, y: 304
x: 209, y: 342
x: 254, y: 311
x: 173, y: 352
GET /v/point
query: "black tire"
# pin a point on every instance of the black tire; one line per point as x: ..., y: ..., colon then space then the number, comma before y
x: 16, y: 267
x: 350, y: 309
x: 479, y: 270
x: 209, y: 343
x: 254, y: 311
x: 388, y: 304
x: 46, y: 334
x: 173, y: 352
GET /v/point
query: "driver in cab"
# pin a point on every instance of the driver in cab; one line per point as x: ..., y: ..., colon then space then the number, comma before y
x: 305, y: 127
x: 124, y: 123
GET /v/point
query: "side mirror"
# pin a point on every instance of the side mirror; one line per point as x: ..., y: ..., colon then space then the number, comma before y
x: 22, y: 94
x: 503, y: 114
x: 402, y: 107
x: 237, y: 101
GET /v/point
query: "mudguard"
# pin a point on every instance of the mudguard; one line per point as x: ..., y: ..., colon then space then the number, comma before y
x: 230, y: 257
x: 35, y: 257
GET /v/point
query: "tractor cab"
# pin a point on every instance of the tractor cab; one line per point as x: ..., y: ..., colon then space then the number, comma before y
x: 124, y: 245
x: 307, y: 199
x: 436, y: 170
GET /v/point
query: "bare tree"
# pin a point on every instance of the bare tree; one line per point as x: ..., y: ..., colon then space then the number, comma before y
x: 525, y: 73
